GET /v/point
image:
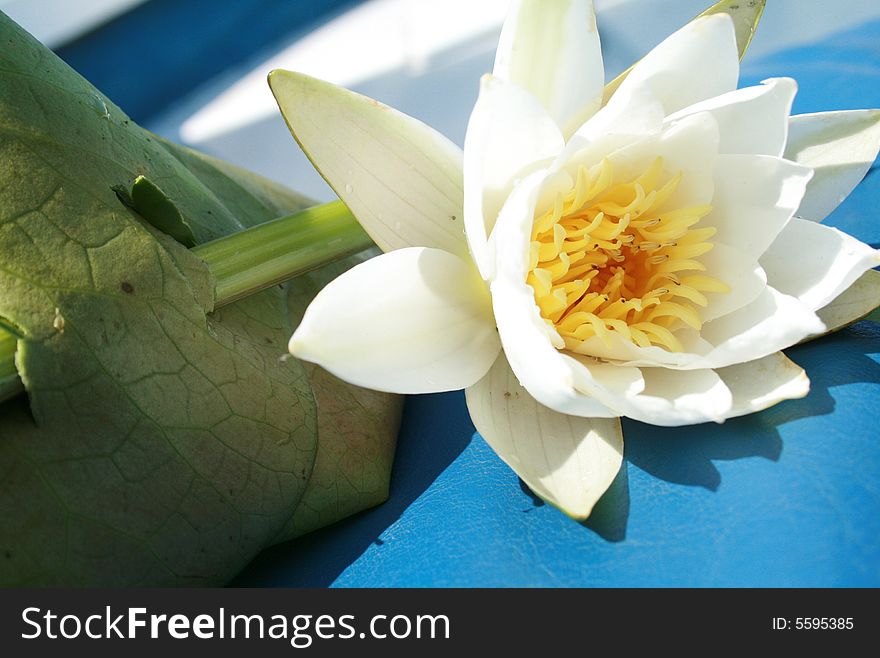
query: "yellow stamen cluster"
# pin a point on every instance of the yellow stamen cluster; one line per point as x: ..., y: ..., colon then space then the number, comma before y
x: 608, y: 258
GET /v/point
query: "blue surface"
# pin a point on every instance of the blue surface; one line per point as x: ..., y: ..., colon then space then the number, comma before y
x: 790, y: 496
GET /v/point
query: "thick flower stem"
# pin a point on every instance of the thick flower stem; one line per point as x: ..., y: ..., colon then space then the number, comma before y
x: 245, y: 263
x: 250, y: 261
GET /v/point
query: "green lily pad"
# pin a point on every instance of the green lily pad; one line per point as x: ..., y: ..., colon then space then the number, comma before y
x: 160, y: 442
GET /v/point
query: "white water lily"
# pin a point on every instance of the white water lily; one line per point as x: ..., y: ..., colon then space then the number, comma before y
x: 647, y: 258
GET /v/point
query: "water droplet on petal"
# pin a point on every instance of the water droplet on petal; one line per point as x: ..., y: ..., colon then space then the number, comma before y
x: 349, y: 188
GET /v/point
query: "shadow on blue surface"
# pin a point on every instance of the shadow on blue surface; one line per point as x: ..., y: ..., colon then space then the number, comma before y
x: 609, y: 516
x: 688, y: 453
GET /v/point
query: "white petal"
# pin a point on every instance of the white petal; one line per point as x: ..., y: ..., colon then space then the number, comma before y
x: 745, y: 16
x: 815, y: 263
x: 568, y: 461
x: 740, y: 272
x: 544, y: 371
x: 854, y: 303
x: 772, y: 322
x: 415, y: 320
x: 688, y: 147
x: 686, y: 397
x: 668, y: 397
x: 840, y: 146
x: 508, y: 132
x: 513, y: 230
x: 760, y: 384
x: 619, y: 123
x: 750, y: 120
x: 400, y: 178
x: 699, y: 61
x: 755, y: 197
x: 638, y: 113
x: 552, y: 50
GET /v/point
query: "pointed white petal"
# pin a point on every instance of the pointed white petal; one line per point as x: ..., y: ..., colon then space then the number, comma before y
x: 699, y: 61
x: 841, y: 147
x: 740, y: 272
x: 772, y: 322
x: 638, y: 113
x: 815, y: 263
x: 668, y: 397
x: 745, y: 15
x: 508, y: 132
x: 414, y: 320
x: 760, y: 384
x: 568, y: 461
x: 552, y: 50
x: 400, y: 178
x: 755, y: 197
x: 854, y: 303
x: 623, y: 121
x: 751, y: 120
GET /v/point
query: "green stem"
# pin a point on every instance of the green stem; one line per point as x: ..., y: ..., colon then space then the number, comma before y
x: 249, y: 261
x: 268, y: 254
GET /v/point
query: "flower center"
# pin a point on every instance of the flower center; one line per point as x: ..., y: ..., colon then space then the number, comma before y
x: 608, y: 259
